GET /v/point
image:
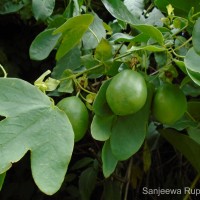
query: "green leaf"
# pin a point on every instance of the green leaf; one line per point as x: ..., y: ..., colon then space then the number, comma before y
x: 103, y: 51
x: 100, y: 104
x: 56, y: 21
x: 121, y: 37
x: 66, y: 84
x: 42, y: 8
x: 95, y: 33
x: 88, y: 61
x: 180, y: 142
x: 183, y: 123
x: 195, y: 76
x: 181, y: 65
x: 128, y: 132
x: 33, y: 123
x: 2, y: 178
x: 9, y: 6
x: 109, y: 161
x: 195, y: 36
x: 101, y: 127
x: 192, y: 60
x: 161, y: 58
x: 135, y: 7
x: 152, y: 48
x: 119, y: 11
x: 43, y: 44
x: 87, y: 182
x: 70, y: 61
x: 193, y: 132
x: 190, y: 89
x: 154, y: 18
x: 72, y: 31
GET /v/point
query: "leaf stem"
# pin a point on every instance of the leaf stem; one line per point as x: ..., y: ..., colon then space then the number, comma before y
x: 122, y: 56
x: 195, y: 15
x: 82, y: 88
x: 179, y: 56
x: 94, y: 34
x: 4, y: 71
x: 190, y: 116
x: 187, y: 41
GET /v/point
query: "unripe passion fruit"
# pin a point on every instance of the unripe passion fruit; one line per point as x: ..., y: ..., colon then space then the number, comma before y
x: 77, y: 114
x: 169, y: 104
x: 127, y: 92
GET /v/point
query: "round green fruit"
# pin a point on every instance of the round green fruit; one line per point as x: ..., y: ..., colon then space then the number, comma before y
x: 77, y: 113
x: 169, y: 104
x: 126, y: 93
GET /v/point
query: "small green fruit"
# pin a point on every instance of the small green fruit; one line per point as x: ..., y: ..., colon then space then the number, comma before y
x: 169, y: 104
x: 77, y: 113
x: 126, y: 93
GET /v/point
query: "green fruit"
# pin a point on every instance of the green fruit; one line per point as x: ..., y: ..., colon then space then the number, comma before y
x: 126, y: 93
x: 169, y: 104
x: 77, y: 113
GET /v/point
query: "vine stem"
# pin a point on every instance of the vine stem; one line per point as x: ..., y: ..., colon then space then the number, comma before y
x: 196, y: 15
x: 187, y: 41
x: 122, y: 56
x: 93, y: 68
x: 4, y: 71
x: 192, y: 186
x: 82, y: 88
x: 128, y: 178
x: 81, y: 73
x: 179, y: 56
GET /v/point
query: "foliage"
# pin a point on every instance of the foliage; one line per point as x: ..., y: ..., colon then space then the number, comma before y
x: 88, y: 44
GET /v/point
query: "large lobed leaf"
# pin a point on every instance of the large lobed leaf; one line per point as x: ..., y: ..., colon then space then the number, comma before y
x: 33, y: 123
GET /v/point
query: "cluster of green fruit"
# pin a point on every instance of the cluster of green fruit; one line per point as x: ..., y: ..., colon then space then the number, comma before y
x: 127, y: 94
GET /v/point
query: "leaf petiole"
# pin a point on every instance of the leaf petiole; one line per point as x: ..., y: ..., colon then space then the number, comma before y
x: 4, y: 71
